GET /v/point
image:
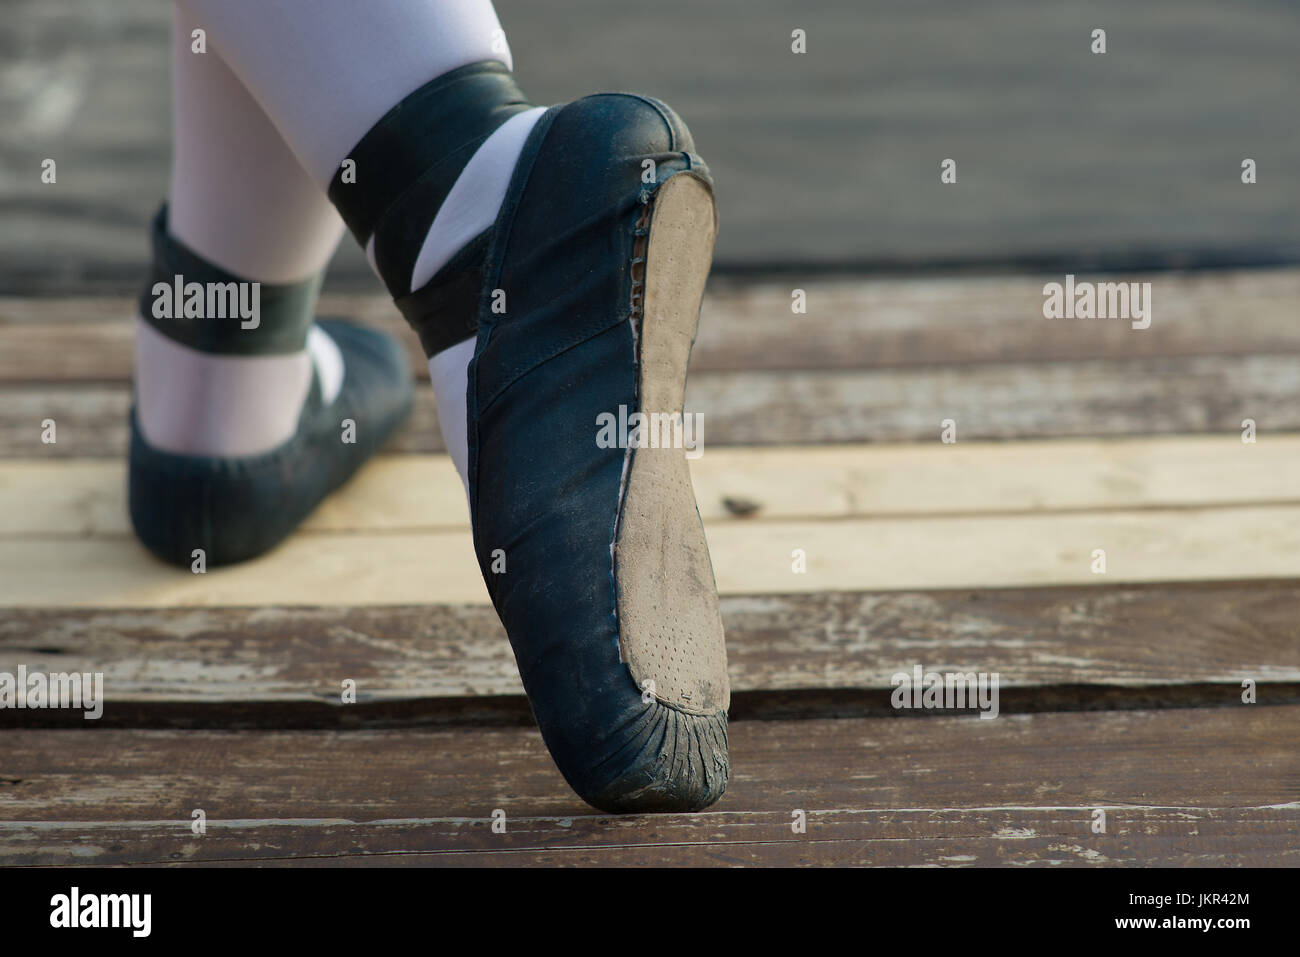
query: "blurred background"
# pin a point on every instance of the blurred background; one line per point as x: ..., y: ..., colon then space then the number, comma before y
x: 827, y: 160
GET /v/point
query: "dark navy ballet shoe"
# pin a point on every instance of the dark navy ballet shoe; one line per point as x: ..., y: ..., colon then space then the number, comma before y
x: 235, y: 509
x: 599, y: 258
x: 584, y: 297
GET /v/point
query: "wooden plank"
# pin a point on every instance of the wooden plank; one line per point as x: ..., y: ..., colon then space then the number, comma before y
x: 85, y: 497
x: 92, y: 422
x: 1019, y: 789
x: 988, y: 402
x: 1154, y: 641
x: 339, y: 568
x: 1135, y: 837
x: 749, y: 326
x: 1000, y: 401
x: 877, y: 323
x: 51, y: 340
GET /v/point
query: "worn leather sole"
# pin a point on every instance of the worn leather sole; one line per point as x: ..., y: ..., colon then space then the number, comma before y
x: 671, y: 629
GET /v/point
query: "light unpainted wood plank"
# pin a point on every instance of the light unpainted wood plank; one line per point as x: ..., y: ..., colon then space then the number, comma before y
x: 849, y: 324
x: 1110, y: 397
x: 120, y: 573
x: 367, y: 568
x: 1141, y: 638
x: 86, y: 497
x: 1222, y: 788
x: 1009, y: 551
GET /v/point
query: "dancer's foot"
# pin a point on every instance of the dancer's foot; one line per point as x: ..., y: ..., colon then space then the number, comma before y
x: 228, y: 453
x: 608, y: 593
x: 586, y: 292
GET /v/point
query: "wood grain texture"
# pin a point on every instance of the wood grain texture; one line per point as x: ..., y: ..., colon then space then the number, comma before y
x: 749, y: 326
x: 1016, y: 790
x: 1153, y: 641
x: 977, y: 557
x: 877, y: 323
x: 1003, y: 401
x: 1016, y: 550
x: 1000, y: 401
x: 68, y: 497
x: 1135, y: 837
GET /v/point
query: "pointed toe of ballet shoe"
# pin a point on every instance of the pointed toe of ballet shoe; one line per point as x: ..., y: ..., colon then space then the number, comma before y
x: 668, y: 761
x: 593, y: 550
x: 234, y: 509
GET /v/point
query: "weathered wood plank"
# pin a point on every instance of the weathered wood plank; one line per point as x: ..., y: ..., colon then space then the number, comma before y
x: 890, y: 554
x: 849, y: 324
x: 48, y: 340
x: 1135, y: 837
x: 406, y: 492
x: 92, y: 422
x: 987, y: 402
x: 1223, y: 790
x: 1153, y: 641
x: 877, y: 323
x: 1000, y: 401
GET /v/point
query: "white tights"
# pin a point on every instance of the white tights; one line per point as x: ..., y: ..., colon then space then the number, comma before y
x: 261, y: 121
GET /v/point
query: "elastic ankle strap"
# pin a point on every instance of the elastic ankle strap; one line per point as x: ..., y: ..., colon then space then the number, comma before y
x: 412, y: 157
x: 444, y: 311
x: 198, y: 304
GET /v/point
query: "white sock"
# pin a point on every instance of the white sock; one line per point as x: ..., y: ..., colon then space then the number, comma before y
x: 449, y: 371
x: 327, y: 75
x: 470, y: 208
x: 240, y: 199
x: 475, y: 197
x: 201, y: 403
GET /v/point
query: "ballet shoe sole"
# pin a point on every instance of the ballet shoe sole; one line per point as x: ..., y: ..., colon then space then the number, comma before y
x: 671, y: 635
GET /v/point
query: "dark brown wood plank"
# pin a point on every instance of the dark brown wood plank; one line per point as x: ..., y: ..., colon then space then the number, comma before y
x: 995, y: 401
x: 1135, y: 836
x: 850, y: 324
x: 1187, y: 786
x: 1061, y: 647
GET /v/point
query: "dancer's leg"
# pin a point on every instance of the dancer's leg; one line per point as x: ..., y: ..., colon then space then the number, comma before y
x: 240, y: 200
x: 242, y: 423
x: 329, y: 71
x: 574, y: 242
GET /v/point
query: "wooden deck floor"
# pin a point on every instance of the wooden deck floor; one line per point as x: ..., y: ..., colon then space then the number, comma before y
x: 1121, y: 692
